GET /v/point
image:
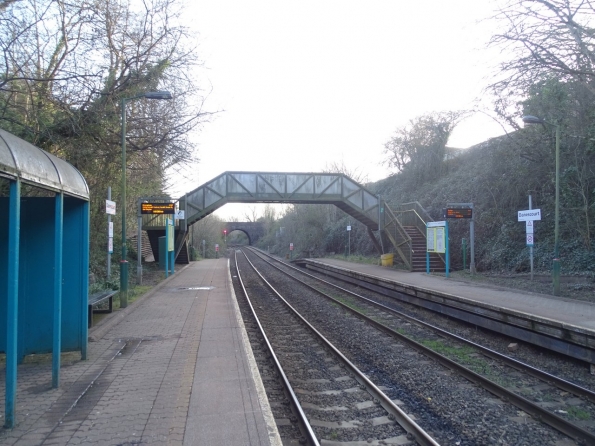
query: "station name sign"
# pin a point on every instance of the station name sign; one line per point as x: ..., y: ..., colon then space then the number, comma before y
x: 458, y: 213
x: 157, y: 208
x: 529, y: 215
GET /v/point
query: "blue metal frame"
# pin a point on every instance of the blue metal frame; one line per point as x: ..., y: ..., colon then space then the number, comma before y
x: 447, y: 250
x: 57, y: 332
x: 167, y: 229
x: 85, y: 234
x: 44, y: 304
x: 14, y: 218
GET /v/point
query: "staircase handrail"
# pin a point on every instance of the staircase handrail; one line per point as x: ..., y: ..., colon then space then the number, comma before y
x: 400, y: 238
x: 417, y: 206
x: 180, y: 240
x: 415, y: 221
x: 419, y: 223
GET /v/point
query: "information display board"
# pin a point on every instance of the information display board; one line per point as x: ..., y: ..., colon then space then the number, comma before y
x: 170, y: 235
x: 157, y: 208
x: 437, y: 242
x: 458, y: 213
x: 436, y: 239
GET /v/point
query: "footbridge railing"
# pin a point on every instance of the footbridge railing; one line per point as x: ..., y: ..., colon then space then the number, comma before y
x: 311, y: 188
x: 272, y: 187
x: 277, y: 187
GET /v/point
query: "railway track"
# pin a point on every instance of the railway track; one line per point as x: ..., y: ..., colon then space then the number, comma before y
x: 332, y: 401
x: 539, y: 394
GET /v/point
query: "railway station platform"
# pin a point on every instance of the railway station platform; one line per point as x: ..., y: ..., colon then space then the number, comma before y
x: 562, y: 324
x: 569, y: 311
x: 173, y: 368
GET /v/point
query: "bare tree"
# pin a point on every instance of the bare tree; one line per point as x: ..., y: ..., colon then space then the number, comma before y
x: 421, y: 144
x: 545, y: 38
x: 251, y: 213
x: 67, y: 66
x: 355, y: 174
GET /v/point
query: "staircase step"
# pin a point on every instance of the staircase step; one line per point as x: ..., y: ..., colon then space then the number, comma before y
x: 183, y: 256
x: 146, y: 246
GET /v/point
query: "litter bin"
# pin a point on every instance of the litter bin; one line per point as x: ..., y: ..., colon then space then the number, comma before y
x: 386, y: 259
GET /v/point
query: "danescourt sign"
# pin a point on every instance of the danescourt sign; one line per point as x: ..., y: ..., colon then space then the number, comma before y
x: 531, y: 214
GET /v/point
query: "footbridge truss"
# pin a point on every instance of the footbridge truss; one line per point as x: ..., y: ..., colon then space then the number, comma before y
x: 279, y: 187
x: 268, y: 187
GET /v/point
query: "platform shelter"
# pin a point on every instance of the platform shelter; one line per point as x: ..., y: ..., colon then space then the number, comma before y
x: 44, y: 259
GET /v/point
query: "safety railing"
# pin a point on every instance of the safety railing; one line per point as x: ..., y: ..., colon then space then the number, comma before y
x: 398, y: 237
x: 414, y: 214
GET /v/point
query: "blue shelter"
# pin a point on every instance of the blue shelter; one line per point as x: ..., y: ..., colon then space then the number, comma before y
x: 44, y: 259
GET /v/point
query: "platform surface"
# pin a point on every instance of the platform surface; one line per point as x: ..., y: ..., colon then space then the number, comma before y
x: 567, y: 311
x: 174, y: 368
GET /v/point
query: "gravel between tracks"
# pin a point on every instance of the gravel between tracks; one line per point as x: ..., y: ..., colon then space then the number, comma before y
x: 338, y: 408
x: 454, y: 411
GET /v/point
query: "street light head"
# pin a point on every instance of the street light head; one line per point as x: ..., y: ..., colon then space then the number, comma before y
x: 157, y: 95
x: 530, y: 119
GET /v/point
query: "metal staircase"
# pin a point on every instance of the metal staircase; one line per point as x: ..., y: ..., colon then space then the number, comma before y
x: 405, y: 227
x: 418, y: 252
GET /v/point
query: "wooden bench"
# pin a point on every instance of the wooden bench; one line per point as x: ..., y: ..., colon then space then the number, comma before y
x: 96, y: 299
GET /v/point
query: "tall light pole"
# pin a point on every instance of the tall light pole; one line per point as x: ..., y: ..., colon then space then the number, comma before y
x: 529, y: 119
x: 123, y: 261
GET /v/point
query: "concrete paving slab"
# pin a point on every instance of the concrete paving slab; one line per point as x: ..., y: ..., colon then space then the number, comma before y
x: 207, y: 431
x: 175, y: 368
x: 224, y: 367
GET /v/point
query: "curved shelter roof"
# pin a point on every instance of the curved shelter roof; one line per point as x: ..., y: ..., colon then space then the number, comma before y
x: 20, y: 159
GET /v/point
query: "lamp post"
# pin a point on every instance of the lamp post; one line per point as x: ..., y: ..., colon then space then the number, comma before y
x: 529, y: 119
x: 123, y: 261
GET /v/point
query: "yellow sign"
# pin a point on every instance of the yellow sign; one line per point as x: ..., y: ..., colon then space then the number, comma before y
x: 436, y: 240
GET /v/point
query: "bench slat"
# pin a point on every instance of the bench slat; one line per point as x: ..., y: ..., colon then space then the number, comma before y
x: 101, y: 295
x: 96, y: 298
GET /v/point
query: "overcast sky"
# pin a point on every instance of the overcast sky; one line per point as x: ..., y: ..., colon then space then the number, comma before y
x: 301, y: 85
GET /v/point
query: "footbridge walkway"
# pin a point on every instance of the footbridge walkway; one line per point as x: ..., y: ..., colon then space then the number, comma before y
x: 311, y: 188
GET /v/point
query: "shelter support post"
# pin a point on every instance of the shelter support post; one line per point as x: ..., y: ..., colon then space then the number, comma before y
x: 85, y: 234
x: 57, y: 331
x: 14, y: 223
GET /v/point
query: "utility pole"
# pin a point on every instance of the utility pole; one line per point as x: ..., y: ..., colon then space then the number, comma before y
x: 531, y: 247
x: 110, y: 236
x: 349, y: 239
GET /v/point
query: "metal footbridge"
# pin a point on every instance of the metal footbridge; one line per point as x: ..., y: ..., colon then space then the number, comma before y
x: 281, y: 187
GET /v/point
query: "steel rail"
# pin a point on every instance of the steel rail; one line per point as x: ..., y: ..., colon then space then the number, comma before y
x: 562, y: 425
x: 420, y: 435
x: 548, y: 378
x: 301, y: 415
